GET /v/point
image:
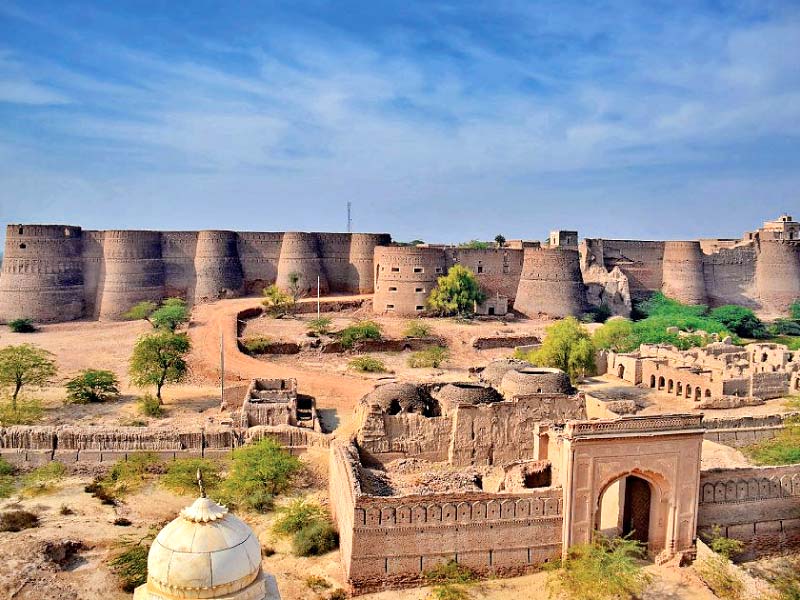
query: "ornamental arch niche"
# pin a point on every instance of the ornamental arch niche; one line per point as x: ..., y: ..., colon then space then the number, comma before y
x: 651, y: 464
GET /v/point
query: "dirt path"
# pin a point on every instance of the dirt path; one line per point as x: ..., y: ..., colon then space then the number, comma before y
x: 339, y: 392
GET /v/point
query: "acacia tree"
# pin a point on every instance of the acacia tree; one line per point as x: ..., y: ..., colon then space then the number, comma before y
x: 92, y: 385
x: 23, y: 365
x: 456, y: 293
x: 500, y: 240
x: 566, y: 346
x: 170, y: 315
x: 159, y: 358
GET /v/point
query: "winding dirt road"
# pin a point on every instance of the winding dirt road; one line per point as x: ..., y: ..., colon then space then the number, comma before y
x: 339, y: 392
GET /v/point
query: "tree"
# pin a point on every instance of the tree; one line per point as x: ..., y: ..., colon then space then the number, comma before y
x: 158, y: 358
x: 617, y: 335
x: 500, y: 240
x: 456, y: 293
x: 170, y: 315
x: 92, y: 385
x: 258, y: 473
x: 277, y: 302
x: 23, y: 365
x: 567, y: 346
x: 794, y: 310
x: 295, y: 289
x: 740, y: 320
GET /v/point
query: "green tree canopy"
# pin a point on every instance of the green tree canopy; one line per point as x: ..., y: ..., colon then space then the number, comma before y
x: 92, y: 385
x: 617, y: 335
x: 172, y: 313
x: 159, y: 358
x: 794, y: 310
x: 500, y: 239
x: 141, y: 311
x: 23, y: 365
x: 277, y: 302
x: 567, y: 346
x: 740, y: 320
x: 456, y: 293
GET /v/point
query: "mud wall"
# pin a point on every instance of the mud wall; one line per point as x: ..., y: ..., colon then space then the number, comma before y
x: 682, y: 272
x: 758, y: 505
x: 498, y: 269
x: 405, y: 277
x: 56, y: 273
x: 778, y: 275
x: 743, y: 431
x: 550, y: 283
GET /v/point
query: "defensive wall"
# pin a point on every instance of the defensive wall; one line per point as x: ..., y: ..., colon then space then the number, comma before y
x: 59, y: 272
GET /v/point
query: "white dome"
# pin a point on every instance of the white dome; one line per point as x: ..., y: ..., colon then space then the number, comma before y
x: 205, y: 553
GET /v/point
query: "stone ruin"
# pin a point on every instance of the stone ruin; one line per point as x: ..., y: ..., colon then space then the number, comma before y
x: 719, y: 375
x: 505, y: 473
x: 275, y: 402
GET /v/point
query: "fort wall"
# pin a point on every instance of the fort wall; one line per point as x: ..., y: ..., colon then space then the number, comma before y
x: 405, y: 277
x: 58, y: 273
x: 682, y: 272
x: 498, y: 269
x: 758, y: 505
x: 550, y: 283
x: 730, y: 276
x: 778, y: 274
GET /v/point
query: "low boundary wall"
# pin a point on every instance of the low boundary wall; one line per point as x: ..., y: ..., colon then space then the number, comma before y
x: 743, y: 431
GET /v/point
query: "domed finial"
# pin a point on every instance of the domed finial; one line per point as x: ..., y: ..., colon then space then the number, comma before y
x: 200, y: 483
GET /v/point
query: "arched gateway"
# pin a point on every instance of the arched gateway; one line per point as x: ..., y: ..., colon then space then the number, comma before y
x: 637, y: 476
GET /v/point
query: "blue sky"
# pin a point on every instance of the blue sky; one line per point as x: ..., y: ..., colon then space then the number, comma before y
x: 441, y: 121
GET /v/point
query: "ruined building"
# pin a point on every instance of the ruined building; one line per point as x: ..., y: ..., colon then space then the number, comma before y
x: 58, y: 273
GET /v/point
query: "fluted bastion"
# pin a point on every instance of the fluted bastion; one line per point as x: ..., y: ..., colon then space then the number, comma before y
x: 405, y: 277
x: 216, y: 262
x: 778, y: 274
x: 42, y: 273
x: 683, y: 272
x: 134, y: 271
x: 60, y: 272
x: 550, y: 283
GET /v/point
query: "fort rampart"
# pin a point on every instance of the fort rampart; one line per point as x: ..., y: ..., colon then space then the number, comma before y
x: 59, y: 273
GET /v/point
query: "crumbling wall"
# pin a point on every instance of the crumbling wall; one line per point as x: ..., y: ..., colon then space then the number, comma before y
x: 758, y: 505
x: 641, y: 261
x: 769, y: 385
x: 743, y: 431
x: 730, y: 276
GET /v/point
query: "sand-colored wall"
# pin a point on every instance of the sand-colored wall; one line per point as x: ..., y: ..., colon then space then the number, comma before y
x: 550, y: 283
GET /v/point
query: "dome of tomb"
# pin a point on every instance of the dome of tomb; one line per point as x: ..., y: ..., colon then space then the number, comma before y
x: 454, y: 394
x: 494, y: 371
x: 394, y: 398
x: 206, y: 552
x: 535, y: 380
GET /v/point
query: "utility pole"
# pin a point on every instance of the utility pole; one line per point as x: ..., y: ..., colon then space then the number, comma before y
x: 349, y: 217
x: 317, y: 297
x: 221, y: 367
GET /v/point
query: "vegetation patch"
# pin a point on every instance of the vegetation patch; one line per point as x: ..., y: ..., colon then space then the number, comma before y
x: 320, y: 326
x: 317, y: 584
x: 21, y: 326
x: 92, y: 385
x: 567, y: 346
x: 171, y: 314
x: 417, y: 329
x: 718, y: 575
x: 43, y: 480
x: 25, y: 365
x: 604, y: 569
x: 456, y: 293
x: 158, y: 359
x: 129, y: 475
x: 21, y: 412
x: 149, y: 406
x: 17, y: 520
x: 257, y: 344
x: 7, y: 483
x: 259, y: 472
x: 363, y: 330
x: 450, y: 581
x: 312, y: 532
x: 783, y: 449
x: 99, y: 491
x: 431, y: 357
x: 277, y: 303
x: 181, y: 475
x: 130, y: 564
x: 367, y: 364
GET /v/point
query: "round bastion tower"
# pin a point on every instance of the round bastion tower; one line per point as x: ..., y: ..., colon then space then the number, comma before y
x: 217, y: 266
x: 134, y: 271
x: 42, y: 273
x: 683, y: 272
x: 361, y: 278
x: 404, y: 277
x: 300, y: 255
x: 551, y: 283
x: 777, y: 274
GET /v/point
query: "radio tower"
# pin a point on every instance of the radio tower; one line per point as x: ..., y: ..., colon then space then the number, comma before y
x: 349, y: 218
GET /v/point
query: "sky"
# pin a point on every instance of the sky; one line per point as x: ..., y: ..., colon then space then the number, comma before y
x: 441, y: 121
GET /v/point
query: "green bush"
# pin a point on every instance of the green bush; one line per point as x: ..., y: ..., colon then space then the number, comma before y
x: 320, y: 325
x: 21, y: 326
x: 92, y: 385
x: 363, y: 330
x: 597, y: 314
x: 257, y: 344
x: 101, y: 492
x: 42, y: 479
x: 716, y: 572
x: 130, y: 565
x: 601, y: 570
x: 417, y: 329
x: 318, y: 538
x: 740, y: 320
x: 149, y: 406
x: 783, y: 449
x: 7, y: 483
x: 449, y: 572
x: 431, y: 357
x: 26, y: 412
x: 297, y: 515
x: 17, y: 520
x: 317, y: 584
x: 456, y: 293
x: 259, y: 472
x: 784, y: 327
x: 794, y: 310
x: 476, y: 245
x: 170, y: 315
x: 367, y: 364
x: 277, y: 303
x: 129, y: 475
x: 567, y: 346
x: 617, y: 335
x: 181, y: 475
x: 722, y: 545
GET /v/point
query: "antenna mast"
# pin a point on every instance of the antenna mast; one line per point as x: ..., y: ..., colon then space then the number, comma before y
x: 349, y: 217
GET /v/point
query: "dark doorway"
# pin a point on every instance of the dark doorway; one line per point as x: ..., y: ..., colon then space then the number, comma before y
x: 636, y: 513
x: 491, y: 310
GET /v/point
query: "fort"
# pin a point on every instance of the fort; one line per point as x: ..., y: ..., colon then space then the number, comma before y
x: 59, y: 273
